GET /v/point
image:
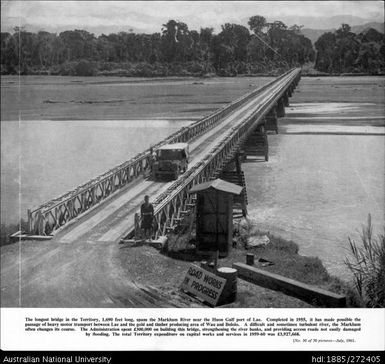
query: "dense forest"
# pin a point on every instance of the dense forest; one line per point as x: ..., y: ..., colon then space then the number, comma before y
x: 177, y: 51
x: 347, y: 52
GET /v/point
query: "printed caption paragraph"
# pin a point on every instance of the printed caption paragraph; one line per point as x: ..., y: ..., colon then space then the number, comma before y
x: 195, y: 327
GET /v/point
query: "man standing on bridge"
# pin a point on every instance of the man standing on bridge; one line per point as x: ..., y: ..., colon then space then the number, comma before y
x: 147, y: 215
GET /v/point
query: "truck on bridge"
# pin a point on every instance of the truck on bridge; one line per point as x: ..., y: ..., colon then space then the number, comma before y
x: 170, y: 161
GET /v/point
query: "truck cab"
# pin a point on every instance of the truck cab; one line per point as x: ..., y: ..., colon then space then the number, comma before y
x: 170, y: 161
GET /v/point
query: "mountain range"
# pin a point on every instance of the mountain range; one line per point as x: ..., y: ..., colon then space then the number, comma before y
x: 314, y: 34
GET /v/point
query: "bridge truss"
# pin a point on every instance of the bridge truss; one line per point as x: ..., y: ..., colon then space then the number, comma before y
x: 172, y: 205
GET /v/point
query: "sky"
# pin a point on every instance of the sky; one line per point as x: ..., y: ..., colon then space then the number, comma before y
x: 148, y: 16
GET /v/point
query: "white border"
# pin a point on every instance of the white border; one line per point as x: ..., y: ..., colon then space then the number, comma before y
x: 13, y: 336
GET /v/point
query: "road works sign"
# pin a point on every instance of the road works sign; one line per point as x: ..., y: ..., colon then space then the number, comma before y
x: 203, y: 284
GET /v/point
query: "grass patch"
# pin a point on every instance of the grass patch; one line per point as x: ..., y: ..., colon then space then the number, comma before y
x: 284, y: 255
x: 287, y: 262
x: 367, y: 263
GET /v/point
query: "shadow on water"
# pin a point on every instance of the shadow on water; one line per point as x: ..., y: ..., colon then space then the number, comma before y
x: 253, y: 161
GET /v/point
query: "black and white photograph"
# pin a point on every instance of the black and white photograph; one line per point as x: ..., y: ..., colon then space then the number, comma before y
x: 216, y: 157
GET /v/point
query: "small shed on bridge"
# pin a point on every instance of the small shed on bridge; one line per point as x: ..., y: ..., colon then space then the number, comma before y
x: 214, y: 215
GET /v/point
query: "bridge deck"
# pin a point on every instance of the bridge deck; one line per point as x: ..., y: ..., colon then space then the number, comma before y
x: 111, y: 220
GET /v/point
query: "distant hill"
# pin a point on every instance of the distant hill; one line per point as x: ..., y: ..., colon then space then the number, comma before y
x: 314, y: 34
x: 322, y: 22
x: 360, y: 28
x: 97, y: 30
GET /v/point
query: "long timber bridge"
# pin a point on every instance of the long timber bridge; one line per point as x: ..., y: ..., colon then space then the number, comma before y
x: 102, y: 212
x: 214, y: 142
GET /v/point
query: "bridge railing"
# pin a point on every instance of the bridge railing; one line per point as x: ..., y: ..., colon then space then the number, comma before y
x: 172, y: 205
x: 54, y: 214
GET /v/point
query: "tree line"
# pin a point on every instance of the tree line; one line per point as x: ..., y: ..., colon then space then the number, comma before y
x: 176, y: 50
x: 261, y: 47
x: 346, y: 52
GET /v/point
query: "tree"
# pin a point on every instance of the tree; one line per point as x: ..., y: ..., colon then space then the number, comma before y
x: 176, y: 41
x: 9, y: 53
x: 105, y: 49
x: 296, y: 29
x: 344, y: 51
x: 206, y: 38
x: 79, y: 44
x: 257, y: 23
x: 25, y: 45
x: 371, y: 35
x: 230, y: 47
x: 343, y: 31
x: 255, y: 50
x: 371, y: 52
x: 326, y: 46
x: 45, y: 43
x: 84, y: 68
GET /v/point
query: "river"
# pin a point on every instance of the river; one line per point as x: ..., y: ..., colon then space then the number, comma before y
x: 326, y: 169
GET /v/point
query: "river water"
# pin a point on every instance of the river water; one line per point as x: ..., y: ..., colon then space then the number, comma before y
x: 59, y: 132
x: 43, y: 159
x: 324, y: 175
x: 326, y: 169
x: 317, y: 190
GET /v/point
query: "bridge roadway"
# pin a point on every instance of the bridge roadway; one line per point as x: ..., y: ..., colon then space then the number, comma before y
x: 112, y: 220
x: 79, y: 267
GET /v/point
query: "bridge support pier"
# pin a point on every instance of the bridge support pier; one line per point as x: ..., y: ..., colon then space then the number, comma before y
x: 290, y: 91
x: 257, y: 144
x: 285, y: 99
x: 271, y: 122
x: 281, y: 108
x: 233, y: 173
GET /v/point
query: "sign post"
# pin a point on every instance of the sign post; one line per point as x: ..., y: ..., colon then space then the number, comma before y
x: 203, y: 284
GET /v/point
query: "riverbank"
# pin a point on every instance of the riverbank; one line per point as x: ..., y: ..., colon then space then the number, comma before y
x: 145, y: 69
x: 66, y: 98
x: 146, y: 266
x: 186, y: 74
